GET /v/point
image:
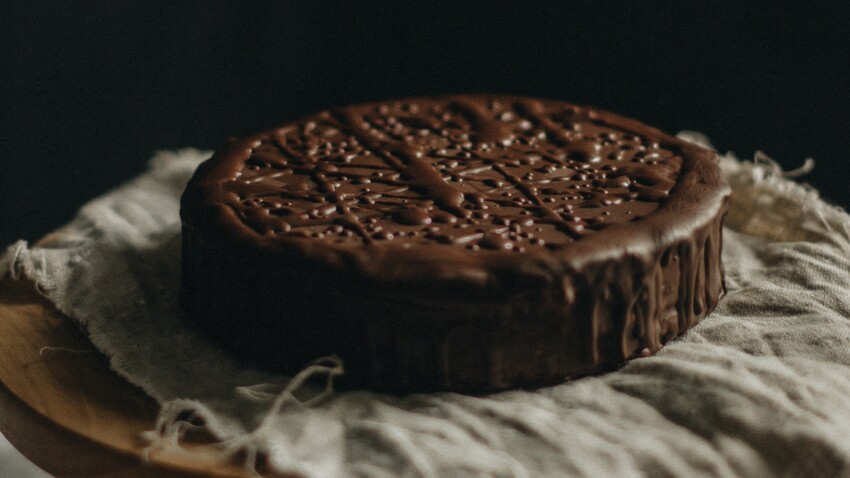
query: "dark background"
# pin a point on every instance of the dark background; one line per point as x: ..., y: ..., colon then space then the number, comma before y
x: 88, y: 91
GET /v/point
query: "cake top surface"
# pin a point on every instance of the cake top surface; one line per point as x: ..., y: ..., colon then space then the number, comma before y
x: 464, y: 187
x: 475, y: 173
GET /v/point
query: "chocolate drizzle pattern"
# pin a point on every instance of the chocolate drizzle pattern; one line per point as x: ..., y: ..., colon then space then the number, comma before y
x: 464, y: 243
x: 473, y: 172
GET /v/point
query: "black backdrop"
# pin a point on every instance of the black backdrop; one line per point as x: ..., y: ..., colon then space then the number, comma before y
x: 89, y: 90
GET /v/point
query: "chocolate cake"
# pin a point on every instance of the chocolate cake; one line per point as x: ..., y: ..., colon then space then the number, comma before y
x: 467, y: 243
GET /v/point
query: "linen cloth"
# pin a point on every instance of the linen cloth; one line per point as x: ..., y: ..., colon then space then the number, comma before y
x: 759, y: 388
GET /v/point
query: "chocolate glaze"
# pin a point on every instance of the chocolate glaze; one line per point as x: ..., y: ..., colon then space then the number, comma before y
x: 465, y: 243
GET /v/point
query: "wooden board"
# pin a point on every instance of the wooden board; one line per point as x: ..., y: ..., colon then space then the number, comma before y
x: 67, y: 411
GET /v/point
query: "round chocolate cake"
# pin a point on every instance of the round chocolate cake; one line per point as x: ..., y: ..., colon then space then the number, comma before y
x: 466, y: 243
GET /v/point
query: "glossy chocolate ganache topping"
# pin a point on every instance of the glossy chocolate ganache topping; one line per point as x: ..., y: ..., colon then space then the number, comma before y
x: 466, y: 243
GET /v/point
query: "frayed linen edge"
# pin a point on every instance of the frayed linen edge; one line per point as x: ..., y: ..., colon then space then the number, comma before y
x: 176, y: 417
x: 765, y: 171
x: 10, y: 261
x: 834, y: 218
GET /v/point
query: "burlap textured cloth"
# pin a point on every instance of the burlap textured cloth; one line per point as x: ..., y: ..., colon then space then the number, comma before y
x: 760, y: 388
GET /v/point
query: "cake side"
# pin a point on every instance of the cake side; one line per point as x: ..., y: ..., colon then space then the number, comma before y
x: 596, y: 318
